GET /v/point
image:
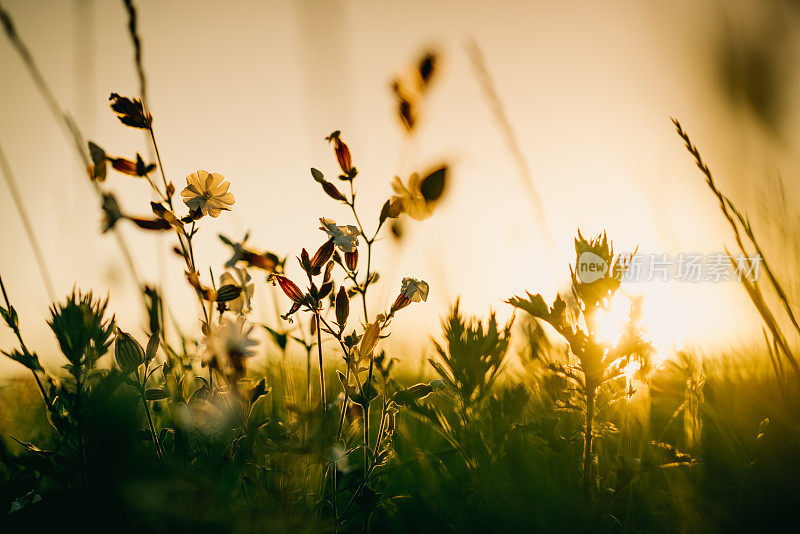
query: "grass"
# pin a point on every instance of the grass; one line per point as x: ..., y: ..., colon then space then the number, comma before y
x: 535, y: 425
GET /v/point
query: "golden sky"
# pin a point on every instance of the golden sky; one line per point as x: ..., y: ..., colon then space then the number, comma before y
x: 251, y: 89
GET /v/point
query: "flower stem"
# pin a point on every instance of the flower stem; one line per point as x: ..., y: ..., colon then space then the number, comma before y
x: 321, y: 370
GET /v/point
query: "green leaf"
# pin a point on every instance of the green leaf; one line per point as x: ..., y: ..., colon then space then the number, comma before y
x: 152, y: 347
x: 259, y: 413
x: 433, y: 185
x: 10, y: 317
x: 153, y: 394
x: 534, y: 304
x: 31, y: 361
x: 412, y: 394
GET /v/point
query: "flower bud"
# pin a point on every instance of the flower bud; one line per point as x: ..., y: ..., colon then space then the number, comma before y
x: 289, y: 288
x: 124, y: 166
x: 127, y: 351
x: 351, y: 259
x: 321, y: 257
x: 342, y: 155
x: 342, y: 307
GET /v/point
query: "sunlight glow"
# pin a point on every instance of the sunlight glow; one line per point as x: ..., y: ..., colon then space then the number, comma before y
x: 661, y: 320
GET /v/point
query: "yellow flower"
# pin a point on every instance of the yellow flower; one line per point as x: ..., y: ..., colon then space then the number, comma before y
x: 410, y: 198
x: 208, y: 193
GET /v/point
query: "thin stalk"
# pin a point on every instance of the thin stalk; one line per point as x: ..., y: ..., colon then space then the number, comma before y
x: 67, y: 123
x: 160, y: 165
x: 142, y: 387
x: 321, y: 370
x: 5, y: 169
x: 587, y: 442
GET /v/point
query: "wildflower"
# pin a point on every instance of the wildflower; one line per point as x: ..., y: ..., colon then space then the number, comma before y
x: 208, y: 193
x: 228, y: 344
x: 242, y: 303
x: 344, y: 237
x: 410, y: 199
x: 411, y: 290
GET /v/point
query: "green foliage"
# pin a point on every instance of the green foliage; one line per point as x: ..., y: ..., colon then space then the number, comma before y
x: 82, y: 330
x: 472, y: 355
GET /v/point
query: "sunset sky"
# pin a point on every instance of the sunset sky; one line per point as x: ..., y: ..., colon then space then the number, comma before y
x: 251, y: 89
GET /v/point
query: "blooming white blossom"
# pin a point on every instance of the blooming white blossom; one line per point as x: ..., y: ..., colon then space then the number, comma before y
x: 241, y: 278
x: 229, y: 343
x: 344, y: 237
x: 410, y: 198
x: 414, y: 290
x: 207, y: 192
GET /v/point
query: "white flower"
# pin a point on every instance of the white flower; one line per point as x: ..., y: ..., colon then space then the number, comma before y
x: 410, y: 198
x: 208, y: 193
x: 414, y: 290
x: 228, y: 344
x: 242, y: 303
x: 344, y: 237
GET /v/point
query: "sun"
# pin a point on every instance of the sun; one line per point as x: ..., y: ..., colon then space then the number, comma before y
x: 661, y: 320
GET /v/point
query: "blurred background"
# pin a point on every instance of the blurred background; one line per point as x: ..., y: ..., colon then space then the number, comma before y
x: 251, y: 89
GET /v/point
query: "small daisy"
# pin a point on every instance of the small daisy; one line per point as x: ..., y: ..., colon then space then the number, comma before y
x: 208, y: 193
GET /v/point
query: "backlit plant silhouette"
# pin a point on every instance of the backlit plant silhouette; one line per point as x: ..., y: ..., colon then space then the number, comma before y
x: 597, y: 363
